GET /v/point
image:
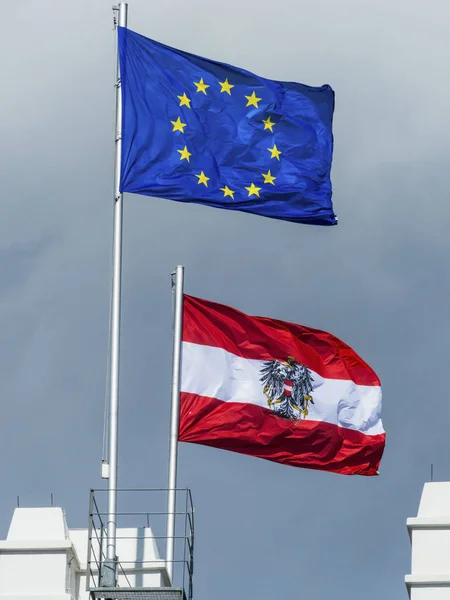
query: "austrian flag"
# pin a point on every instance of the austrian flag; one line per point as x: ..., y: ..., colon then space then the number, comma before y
x: 279, y: 391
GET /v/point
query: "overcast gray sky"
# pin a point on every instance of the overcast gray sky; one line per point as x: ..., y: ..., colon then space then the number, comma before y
x: 379, y: 280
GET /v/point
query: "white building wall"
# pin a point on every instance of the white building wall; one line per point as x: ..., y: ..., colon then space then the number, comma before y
x: 17, y: 568
x: 430, y: 550
x: 430, y: 540
x: 42, y: 559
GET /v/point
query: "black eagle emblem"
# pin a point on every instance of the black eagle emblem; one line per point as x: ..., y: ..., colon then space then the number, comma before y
x: 287, y: 387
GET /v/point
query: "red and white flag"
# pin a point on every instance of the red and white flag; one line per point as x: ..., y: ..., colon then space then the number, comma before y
x: 284, y: 392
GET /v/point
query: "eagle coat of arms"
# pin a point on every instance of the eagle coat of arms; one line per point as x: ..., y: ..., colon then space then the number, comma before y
x: 287, y: 387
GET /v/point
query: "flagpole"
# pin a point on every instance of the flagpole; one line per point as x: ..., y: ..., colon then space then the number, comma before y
x: 177, y: 286
x: 109, y: 576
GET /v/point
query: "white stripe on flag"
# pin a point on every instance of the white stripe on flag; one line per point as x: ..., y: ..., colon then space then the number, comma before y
x: 215, y: 373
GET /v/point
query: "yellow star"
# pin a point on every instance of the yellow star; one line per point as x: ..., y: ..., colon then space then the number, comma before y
x: 227, y: 192
x: 268, y: 124
x: 203, y: 179
x: 253, y: 190
x: 185, y: 101
x: 226, y: 87
x: 201, y: 86
x: 253, y: 100
x: 186, y: 154
x: 178, y: 125
x: 268, y: 177
x: 274, y: 152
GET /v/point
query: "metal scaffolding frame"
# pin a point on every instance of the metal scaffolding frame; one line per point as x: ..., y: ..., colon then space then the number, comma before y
x: 176, y: 577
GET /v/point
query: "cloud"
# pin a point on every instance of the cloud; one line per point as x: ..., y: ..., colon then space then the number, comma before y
x: 378, y: 280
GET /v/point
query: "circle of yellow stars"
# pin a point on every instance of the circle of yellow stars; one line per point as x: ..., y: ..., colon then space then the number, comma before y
x: 252, y: 101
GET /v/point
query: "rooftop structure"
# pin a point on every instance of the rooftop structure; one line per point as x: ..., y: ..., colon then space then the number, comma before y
x: 430, y: 540
x: 42, y: 558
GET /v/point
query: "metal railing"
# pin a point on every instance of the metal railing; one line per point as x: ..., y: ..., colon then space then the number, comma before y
x: 141, y: 536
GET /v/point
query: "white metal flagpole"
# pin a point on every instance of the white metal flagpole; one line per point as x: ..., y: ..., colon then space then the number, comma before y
x: 109, y: 575
x: 178, y: 284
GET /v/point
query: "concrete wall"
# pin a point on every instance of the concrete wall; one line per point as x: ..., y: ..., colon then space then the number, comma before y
x: 42, y: 559
x: 430, y: 545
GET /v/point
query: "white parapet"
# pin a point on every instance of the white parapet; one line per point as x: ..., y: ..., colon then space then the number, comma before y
x: 42, y: 559
x: 430, y: 540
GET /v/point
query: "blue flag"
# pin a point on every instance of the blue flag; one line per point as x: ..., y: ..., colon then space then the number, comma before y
x: 196, y: 130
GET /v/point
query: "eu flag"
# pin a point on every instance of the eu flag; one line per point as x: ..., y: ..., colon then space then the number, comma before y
x: 196, y: 130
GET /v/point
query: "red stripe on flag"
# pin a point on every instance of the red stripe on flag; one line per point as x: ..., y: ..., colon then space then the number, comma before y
x: 255, y: 431
x: 261, y: 338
